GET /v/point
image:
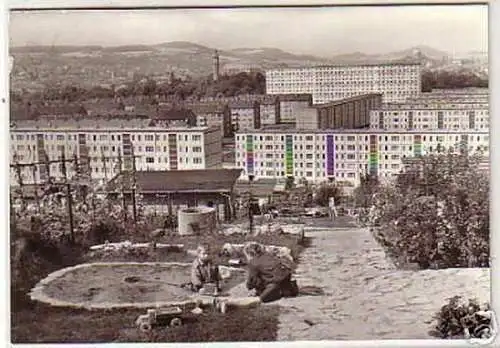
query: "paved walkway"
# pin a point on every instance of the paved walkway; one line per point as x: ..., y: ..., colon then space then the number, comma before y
x: 366, y: 297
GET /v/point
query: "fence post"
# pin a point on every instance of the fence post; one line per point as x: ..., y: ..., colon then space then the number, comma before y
x: 69, y: 197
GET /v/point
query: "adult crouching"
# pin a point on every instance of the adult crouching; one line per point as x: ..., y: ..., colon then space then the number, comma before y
x: 268, y: 275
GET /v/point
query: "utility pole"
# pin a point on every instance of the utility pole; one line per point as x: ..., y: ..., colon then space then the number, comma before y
x: 122, y: 182
x: 35, y: 184
x: 134, y: 187
x: 69, y: 197
x: 250, y: 203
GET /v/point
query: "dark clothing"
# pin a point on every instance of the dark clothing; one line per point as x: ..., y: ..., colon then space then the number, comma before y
x: 202, y: 273
x: 270, y: 278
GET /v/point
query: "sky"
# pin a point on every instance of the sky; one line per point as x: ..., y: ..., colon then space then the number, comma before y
x: 319, y: 31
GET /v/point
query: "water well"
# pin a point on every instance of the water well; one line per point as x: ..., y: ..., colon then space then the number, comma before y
x: 197, y: 220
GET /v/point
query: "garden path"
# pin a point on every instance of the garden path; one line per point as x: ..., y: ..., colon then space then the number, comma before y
x: 366, y: 296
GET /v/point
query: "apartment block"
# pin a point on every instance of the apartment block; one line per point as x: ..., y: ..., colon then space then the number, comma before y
x: 245, y: 114
x: 100, y: 147
x: 350, y: 113
x: 396, y: 81
x: 344, y: 155
x: 291, y: 104
x: 442, y: 116
x: 213, y: 114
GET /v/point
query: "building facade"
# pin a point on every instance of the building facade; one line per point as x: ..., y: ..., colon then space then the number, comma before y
x: 291, y: 104
x: 396, y: 81
x: 452, y: 116
x: 245, y: 114
x: 100, y: 149
x: 350, y: 113
x: 344, y: 155
x: 269, y: 112
x: 211, y: 114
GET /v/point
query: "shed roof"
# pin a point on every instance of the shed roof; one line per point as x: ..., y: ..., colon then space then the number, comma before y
x: 171, y: 181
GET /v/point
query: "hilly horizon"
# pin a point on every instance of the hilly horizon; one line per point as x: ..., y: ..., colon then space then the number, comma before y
x: 40, y: 65
x: 254, y: 52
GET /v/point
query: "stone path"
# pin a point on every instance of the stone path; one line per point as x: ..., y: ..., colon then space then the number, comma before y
x: 366, y: 297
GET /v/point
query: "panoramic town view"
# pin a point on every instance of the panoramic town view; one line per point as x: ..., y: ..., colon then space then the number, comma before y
x: 220, y: 175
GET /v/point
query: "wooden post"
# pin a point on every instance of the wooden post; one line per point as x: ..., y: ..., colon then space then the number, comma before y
x: 250, y: 204
x: 122, y: 182
x: 35, y: 184
x: 134, y: 188
x: 69, y: 197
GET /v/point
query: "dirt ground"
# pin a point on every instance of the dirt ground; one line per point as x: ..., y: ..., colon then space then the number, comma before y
x: 35, y: 322
x: 122, y: 283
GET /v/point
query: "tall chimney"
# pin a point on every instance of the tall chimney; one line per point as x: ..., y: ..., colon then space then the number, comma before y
x: 216, y: 66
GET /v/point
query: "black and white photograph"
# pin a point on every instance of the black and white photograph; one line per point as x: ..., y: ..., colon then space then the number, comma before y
x: 249, y: 174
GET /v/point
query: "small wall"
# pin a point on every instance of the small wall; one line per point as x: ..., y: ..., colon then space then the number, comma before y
x: 197, y: 220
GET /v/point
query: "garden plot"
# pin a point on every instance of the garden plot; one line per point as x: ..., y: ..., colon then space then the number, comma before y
x: 120, y: 285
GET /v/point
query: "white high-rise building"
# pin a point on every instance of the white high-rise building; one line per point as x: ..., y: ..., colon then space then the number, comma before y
x: 431, y: 116
x: 100, y: 146
x: 396, y: 81
x: 344, y: 155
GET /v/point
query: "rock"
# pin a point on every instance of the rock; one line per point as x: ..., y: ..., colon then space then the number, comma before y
x: 197, y: 311
x: 158, y: 233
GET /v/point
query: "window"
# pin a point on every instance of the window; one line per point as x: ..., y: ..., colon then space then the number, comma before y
x: 150, y: 160
x: 197, y: 160
x: 148, y: 137
x: 149, y: 149
x: 196, y: 148
x: 60, y: 137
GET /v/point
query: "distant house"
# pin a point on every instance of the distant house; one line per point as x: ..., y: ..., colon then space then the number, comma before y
x: 290, y: 104
x: 269, y: 111
x: 245, y: 114
x: 176, y: 116
x: 212, y: 114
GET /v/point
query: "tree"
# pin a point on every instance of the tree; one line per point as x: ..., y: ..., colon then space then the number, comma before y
x: 451, y: 80
x: 362, y: 195
x: 325, y: 192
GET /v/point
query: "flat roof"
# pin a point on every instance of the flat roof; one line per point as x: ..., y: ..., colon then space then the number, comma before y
x: 176, y: 181
x: 89, y: 125
x: 334, y: 65
x: 346, y: 100
x: 367, y: 131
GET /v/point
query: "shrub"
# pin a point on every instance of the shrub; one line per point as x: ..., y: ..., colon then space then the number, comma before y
x: 457, y: 316
x: 325, y: 191
x: 437, y: 214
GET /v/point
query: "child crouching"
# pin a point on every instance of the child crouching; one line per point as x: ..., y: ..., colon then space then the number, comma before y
x: 203, y: 270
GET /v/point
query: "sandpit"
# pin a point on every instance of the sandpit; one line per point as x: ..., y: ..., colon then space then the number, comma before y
x: 124, y: 284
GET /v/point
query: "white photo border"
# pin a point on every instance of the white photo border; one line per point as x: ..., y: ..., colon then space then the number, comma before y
x: 494, y: 85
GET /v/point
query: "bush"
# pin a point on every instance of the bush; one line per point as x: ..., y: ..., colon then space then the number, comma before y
x: 437, y: 214
x: 325, y: 192
x: 458, y: 315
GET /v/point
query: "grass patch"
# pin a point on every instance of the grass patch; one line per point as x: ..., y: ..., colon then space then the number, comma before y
x: 34, y: 322
x: 46, y: 324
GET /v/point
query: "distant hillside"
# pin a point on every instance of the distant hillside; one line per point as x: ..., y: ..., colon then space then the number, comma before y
x: 94, y: 64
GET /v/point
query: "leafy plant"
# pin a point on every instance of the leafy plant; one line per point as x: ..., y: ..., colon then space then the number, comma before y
x: 437, y: 214
x: 457, y: 317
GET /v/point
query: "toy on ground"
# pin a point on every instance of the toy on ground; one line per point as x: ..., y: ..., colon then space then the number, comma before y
x: 170, y: 317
